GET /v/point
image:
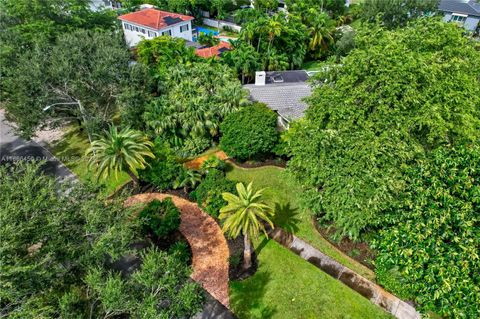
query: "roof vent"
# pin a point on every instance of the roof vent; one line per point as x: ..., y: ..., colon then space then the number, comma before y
x: 277, y: 79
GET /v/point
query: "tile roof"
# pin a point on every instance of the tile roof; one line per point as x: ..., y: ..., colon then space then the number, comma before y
x: 460, y: 6
x: 216, y: 50
x: 154, y: 19
x: 285, y: 98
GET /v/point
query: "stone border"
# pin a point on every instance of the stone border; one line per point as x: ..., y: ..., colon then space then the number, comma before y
x: 376, y: 294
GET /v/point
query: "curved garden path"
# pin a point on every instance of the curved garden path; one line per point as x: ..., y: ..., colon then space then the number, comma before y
x: 209, y: 247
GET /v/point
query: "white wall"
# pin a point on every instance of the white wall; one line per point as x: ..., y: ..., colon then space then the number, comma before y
x: 132, y: 37
x: 221, y: 24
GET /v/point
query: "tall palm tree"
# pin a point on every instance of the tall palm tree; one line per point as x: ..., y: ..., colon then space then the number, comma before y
x: 120, y: 151
x: 245, y: 214
x: 274, y: 29
x: 321, y: 32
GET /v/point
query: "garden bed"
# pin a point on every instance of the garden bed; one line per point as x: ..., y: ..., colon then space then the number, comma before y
x: 360, y: 251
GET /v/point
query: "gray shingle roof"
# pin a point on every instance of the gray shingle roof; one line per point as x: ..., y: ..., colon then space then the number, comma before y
x: 285, y: 98
x: 460, y: 6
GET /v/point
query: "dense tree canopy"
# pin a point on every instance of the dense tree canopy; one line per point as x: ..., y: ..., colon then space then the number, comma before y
x: 431, y: 239
x: 61, y: 251
x: 395, y: 13
x: 196, y: 99
x: 87, y: 73
x: 395, y: 98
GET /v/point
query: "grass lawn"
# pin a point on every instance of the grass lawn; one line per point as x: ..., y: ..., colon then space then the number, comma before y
x: 288, y: 287
x: 71, y: 151
x: 283, y: 192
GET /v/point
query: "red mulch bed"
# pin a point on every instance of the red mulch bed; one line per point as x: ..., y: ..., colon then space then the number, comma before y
x: 360, y: 251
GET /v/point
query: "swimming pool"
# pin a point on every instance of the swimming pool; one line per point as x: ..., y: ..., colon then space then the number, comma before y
x: 206, y: 31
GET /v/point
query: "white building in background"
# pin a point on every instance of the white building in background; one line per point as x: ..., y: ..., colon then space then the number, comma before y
x: 149, y: 23
x: 98, y: 5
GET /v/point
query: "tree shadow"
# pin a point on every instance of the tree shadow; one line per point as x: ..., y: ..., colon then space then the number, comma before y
x: 246, y: 297
x: 286, y: 217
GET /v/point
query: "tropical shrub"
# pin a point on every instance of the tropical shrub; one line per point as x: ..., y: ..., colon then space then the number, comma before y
x: 249, y: 132
x: 432, y: 237
x: 207, y: 40
x: 195, y: 101
x: 160, y: 217
x: 208, y: 194
x: 163, y: 170
x: 214, y: 162
x: 369, y: 122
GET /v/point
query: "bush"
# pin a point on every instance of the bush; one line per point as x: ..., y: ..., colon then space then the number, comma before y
x: 208, y: 194
x: 432, y: 245
x: 163, y: 169
x: 250, y: 132
x: 214, y: 163
x: 160, y: 217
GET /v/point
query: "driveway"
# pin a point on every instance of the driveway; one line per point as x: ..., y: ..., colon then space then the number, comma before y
x: 14, y: 148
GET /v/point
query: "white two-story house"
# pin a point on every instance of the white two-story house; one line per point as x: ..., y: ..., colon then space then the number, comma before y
x: 150, y: 23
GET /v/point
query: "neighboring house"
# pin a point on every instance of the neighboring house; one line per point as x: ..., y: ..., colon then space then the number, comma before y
x: 216, y: 50
x: 463, y: 12
x: 98, y: 5
x: 283, y: 91
x: 150, y: 23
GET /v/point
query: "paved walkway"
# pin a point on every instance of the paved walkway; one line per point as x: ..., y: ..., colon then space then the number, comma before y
x: 209, y: 246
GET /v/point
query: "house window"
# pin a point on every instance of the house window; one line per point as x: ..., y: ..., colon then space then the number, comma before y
x: 168, y: 32
x: 458, y: 18
x: 184, y: 28
x: 136, y: 29
x: 142, y: 30
x: 125, y: 26
x: 152, y: 34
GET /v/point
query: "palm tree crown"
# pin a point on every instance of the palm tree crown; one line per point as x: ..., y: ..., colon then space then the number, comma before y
x: 245, y: 214
x: 117, y: 151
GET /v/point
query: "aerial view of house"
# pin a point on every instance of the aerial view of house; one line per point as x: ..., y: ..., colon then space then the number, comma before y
x: 149, y: 23
x: 463, y: 12
x: 240, y: 159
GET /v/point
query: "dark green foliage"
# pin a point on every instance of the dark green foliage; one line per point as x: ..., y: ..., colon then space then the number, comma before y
x: 160, y: 218
x: 207, y: 40
x: 433, y: 235
x: 163, y: 169
x: 214, y: 163
x: 250, y: 132
x: 345, y: 44
x: 196, y: 99
x: 208, y: 194
x: 56, y: 249
x: 395, y: 98
x: 396, y: 13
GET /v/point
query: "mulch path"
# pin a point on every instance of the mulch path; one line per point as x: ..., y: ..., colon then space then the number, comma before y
x: 209, y: 247
x: 197, y: 162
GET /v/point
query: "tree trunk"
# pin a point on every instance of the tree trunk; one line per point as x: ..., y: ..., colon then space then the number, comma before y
x: 243, y: 77
x: 247, y: 252
x: 134, y: 178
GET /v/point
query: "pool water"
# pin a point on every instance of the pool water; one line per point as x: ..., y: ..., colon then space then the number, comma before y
x: 206, y: 31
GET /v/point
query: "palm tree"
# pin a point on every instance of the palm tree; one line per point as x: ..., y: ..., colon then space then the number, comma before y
x: 245, y: 214
x: 189, y: 180
x: 321, y: 32
x: 274, y: 29
x: 120, y: 151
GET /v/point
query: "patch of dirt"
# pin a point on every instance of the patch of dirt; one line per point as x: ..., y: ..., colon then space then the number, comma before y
x: 197, y: 162
x: 253, y: 164
x: 236, y: 271
x: 360, y: 251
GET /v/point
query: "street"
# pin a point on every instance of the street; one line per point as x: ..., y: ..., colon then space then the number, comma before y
x: 14, y: 148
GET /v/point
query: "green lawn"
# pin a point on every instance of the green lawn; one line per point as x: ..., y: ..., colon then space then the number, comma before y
x: 71, y: 151
x: 283, y: 192
x: 288, y: 287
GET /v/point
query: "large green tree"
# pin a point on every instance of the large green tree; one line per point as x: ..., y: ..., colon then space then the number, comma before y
x: 79, y: 77
x: 396, y: 13
x: 395, y: 98
x: 428, y: 248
